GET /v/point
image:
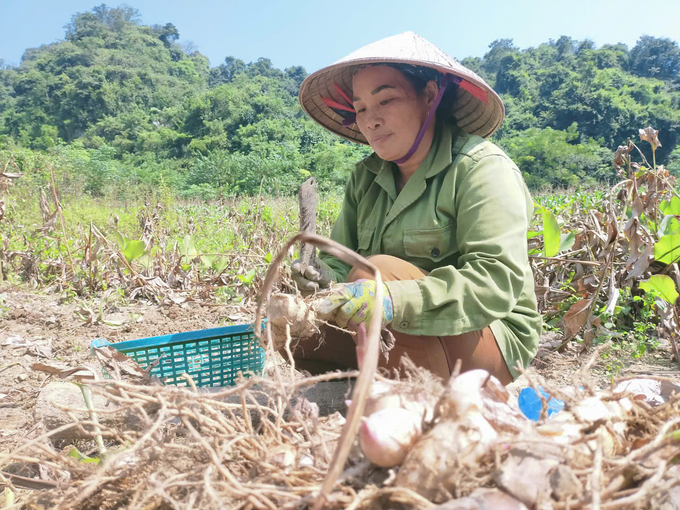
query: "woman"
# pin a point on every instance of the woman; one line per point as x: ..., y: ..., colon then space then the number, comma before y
x: 440, y: 211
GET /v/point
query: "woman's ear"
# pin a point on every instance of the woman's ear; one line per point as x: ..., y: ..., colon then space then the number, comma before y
x: 431, y: 91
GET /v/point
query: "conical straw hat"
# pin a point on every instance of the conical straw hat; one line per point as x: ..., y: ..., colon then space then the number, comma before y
x: 471, y: 113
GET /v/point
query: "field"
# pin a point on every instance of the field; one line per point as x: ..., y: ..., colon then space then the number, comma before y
x: 74, y: 268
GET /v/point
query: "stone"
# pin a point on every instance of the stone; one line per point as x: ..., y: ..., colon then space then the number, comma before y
x: 68, y: 395
x: 526, y: 477
x: 483, y: 499
x: 327, y: 396
x: 565, y: 484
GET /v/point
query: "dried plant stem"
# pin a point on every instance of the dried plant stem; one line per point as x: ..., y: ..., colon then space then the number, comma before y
x: 596, y: 477
x: 57, y: 203
x: 88, y: 253
x: 567, y: 261
x: 289, y: 353
x: 9, y: 498
x: 651, y: 484
x: 674, y: 340
x: 368, y: 370
x: 87, y: 395
x: 610, y: 263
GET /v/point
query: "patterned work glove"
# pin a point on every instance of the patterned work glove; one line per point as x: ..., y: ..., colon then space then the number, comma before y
x: 354, y: 303
x: 311, y: 278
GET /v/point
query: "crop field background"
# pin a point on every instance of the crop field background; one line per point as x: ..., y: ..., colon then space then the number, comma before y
x: 146, y: 191
x: 605, y: 259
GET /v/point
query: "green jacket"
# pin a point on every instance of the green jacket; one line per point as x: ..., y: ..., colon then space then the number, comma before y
x: 463, y: 216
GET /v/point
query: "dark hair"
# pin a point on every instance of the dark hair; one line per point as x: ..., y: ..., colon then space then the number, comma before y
x: 418, y: 76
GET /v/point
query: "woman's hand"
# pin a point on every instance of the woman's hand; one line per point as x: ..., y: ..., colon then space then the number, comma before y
x: 312, y: 277
x: 354, y: 303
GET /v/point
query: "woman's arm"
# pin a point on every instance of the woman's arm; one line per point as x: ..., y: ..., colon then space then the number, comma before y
x: 492, y: 209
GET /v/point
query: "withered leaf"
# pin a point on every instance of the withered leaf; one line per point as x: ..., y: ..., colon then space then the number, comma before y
x: 620, y: 155
x: 576, y: 317
x: 651, y: 135
x: 614, y: 294
x: 81, y: 373
x: 119, y: 366
x: 641, y: 263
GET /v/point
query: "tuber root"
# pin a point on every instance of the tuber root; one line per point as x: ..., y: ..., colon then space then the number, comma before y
x: 461, y: 436
x: 386, y: 436
x: 289, y: 310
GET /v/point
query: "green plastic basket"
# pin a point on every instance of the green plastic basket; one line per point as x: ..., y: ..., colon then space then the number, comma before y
x: 212, y: 357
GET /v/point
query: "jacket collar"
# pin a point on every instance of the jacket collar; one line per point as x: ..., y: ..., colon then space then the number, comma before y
x: 439, y: 158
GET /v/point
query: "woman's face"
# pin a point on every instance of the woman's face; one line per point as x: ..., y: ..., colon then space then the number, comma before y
x: 389, y: 111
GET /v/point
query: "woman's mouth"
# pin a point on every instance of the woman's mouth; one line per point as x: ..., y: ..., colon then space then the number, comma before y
x: 381, y: 138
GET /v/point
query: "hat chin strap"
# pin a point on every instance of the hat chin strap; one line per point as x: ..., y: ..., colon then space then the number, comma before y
x: 444, y: 82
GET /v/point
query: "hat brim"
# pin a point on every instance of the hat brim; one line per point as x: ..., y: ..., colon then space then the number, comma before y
x: 470, y: 113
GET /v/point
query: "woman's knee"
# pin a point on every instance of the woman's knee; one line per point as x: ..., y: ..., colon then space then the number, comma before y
x: 391, y: 269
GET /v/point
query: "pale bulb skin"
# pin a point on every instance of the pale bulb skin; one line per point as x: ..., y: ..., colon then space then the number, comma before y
x: 387, y: 435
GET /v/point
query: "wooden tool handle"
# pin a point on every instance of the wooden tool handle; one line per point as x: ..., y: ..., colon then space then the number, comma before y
x: 307, y: 200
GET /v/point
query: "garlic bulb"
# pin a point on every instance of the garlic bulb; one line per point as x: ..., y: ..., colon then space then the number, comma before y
x: 387, y: 435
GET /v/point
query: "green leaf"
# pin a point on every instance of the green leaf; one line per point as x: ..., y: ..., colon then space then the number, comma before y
x: 567, y: 241
x: 670, y: 207
x: 669, y: 225
x: 134, y: 250
x: 667, y: 249
x: 661, y: 285
x: 248, y: 278
x: 75, y: 454
x: 146, y: 260
x: 268, y: 258
x: 120, y: 238
x: 220, y: 264
x: 187, y: 249
x: 217, y: 262
x: 675, y: 435
x: 551, y: 234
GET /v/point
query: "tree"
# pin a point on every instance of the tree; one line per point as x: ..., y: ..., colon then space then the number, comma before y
x: 655, y: 57
x: 140, y: 106
x: 101, y: 21
x: 226, y: 72
x: 612, y: 55
x: 565, y: 46
x: 297, y: 74
x: 497, y: 50
x: 552, y: 157
x: 263, y: 67
x: 167, y: 33
x: 118, y: 17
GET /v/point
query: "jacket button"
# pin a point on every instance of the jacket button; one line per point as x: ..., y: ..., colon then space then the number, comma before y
x: 403, y: 324
x: 435, y: 252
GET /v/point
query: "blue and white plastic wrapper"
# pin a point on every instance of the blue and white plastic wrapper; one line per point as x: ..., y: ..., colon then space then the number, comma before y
x: 531, y: 404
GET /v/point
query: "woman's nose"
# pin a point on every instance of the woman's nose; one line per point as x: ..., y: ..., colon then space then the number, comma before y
x: 374, y: 121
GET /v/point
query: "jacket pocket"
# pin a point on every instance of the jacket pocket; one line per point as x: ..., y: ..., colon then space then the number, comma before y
x: 365, y: 237
x: 434, y: 244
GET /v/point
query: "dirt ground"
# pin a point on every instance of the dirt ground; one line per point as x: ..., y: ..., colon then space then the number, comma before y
x: 62, y: 336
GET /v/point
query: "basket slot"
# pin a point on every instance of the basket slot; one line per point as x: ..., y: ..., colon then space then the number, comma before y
x: 212, y: 360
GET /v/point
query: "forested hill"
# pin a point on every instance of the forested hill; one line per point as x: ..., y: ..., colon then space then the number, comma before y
x: 123, y: 104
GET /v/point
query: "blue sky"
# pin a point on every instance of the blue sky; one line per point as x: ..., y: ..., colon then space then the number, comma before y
x: 316, y: 33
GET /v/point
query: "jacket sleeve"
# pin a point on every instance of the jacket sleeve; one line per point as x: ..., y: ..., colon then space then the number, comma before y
x: 344, y: 232
x: 491, y: 215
